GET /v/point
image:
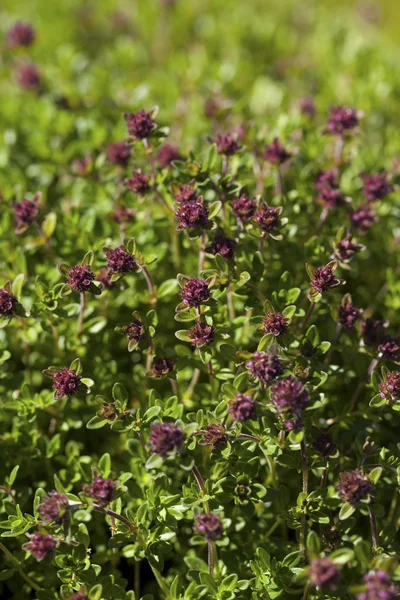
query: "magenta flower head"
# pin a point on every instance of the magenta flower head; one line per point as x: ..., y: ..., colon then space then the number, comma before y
x: 276, y: 153
x: 195, y: 292
x: 342, y: 120
x: 185, y: 193
x: 167, y: 154
x: 331, y: 198
x: 101, y: 490
x: 243, y: 408
x: 390, y: 387
x: 353, y: 487
x: 192, y: 215
x: 202, y: 334
x: 348, y: 313
x: 288, y: 397
x: 376, y: 187
x: 40, y: 545
x: 8, y: 302
x: 265, y: 367
x: 28, y: 77
x: 140, y: 124
x: 20, y: 34
x: 209, y: 525
x: 346, y: 248
x: 139, y: 183
x: 119, y: 153
x: 244, y: 207
x: 307, y: 107
x: 122, y: 215
x: 327, y: 179
x: 268, y: 218
x: 389, y: 348
x: 161, y: 368
x: 214, y: 435
x: 363, y: 218
x: 135, y: 331
x: 104, y: 278
x: 323, y: 573
x: 164, y: 438
x: 120, y: 261
x: 25, y: 212
x: 324, y: 444
x: 80, y: 278
x: 66, y: 382
x: 227, y: 144
x: 54, y: 507
x: 224, y: 246
x: 378, y: 586
x: 275, y: 323
x: 322, y: 279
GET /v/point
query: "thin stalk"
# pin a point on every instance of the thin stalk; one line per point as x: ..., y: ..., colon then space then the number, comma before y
x: 18, y: 568
x: 307, y: 590
x: 307, y: 317
x: 231, y: 306
x: 211, y: 375
x: 362, y: 382
x: 262, y: 243
x: 202, y: 254
x: 338, y: 150
x: 322, y: 219
x: 374, y: 529
x: 279, y: 181
x: 193, y: 383
x: 81, y: 315
x: 334, y: 341
x: 210, y: 547
x: 271, y: 530
x: 150, y: 285
x: 324, y: 478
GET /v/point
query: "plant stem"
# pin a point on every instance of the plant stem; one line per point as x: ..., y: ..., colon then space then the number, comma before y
x: 262, y: 243
x: 81, y: 315
x: 308, y: 316
x: 304, y: 470
x: 324, y: 478
x: 150, y: 285
x: 210, y: 557
x: 374, y: 529
x: 338, y: 150
x: 193, y: 383
x: 18, y: 568
x: 322, y: 219
x: 307, y: 590
x: 202, y: 255
x: 362, y: 382
x: 231, y: 306
x: 279, y: 181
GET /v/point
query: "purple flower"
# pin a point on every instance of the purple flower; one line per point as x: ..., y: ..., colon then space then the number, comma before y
x: 28, y: 77
x: 105, y: 279
x: 227, y: 144
x: 165, y: 437
x: 65, y: 383
x: 122, y: 215
x: 214, y: 435
x: 25, y: 213
x: 268, y: 218
x: 140, y: 124
x: 167, y: 154
x: 202, y: 334
x: 40, y: 545
x: 353, y: 487
x: 342, y: 119
x: 389, y: 348
x: 364, y: 217
x: 192, y: 215
x: 101, y: 490
x: 135, y: 331
x: 348, y: 315
x: 161, y: 367
x: 243, y: 408
x: 346, y: 248
x: 390, y: 387
x: 138, y: 183
x: 332, y: 198
x: 288, y: 397
x: 80, y: 278
x: 307, y: 107
x: 275, y: 323
x: 373, y: 331
x: 276, y: 153
x: 79, y: 596
x: 186, y: 193
x: 327, y: 178
x: 244, y: 207
x: 324, y: 445
x: 378, y: 587
x: 8, y: 303
x: 119, y: 261
x: 223, y: 246
x: 324, y: 573
x: 195, y: 292
x: 324, y: 279
x: 83, y: 165
x: 54, y: 507
x: 264, y: 367
x: 20, y: 34
x: 210, y: 525
x: 376, y: 187
x: 119, y: 153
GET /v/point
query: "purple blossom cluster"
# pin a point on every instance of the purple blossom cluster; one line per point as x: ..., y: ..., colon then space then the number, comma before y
x: 54, y: 507
x: 353, y: 486
x: 378, y: 586
x: 209, y: 525
x: 80, y: 278
x: 242, y: 408
x: 40, y: 546
x: 66, y: 383
x: 195, y: 292
x: 165, y: 437
x: 101, y: 490
x: 389, y: 388
x: 324, y: 574
x: 265, y: 367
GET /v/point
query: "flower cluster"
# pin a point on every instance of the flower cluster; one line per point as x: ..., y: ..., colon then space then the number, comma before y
x: 165, y: 437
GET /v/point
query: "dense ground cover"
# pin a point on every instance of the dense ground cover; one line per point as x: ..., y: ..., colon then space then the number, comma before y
x: 199, y: 302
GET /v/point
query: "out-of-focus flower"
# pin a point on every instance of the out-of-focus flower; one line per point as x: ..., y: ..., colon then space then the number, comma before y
x: 165, y: 437
x: 119, y: 153
x: 353, y: 487
x: 40, y: 545
x: 20, y: 34
x: 324, y: 574
x: 276, y: 153
x: 210, y: 525
x: 140, y: 124
x: 242, y: 408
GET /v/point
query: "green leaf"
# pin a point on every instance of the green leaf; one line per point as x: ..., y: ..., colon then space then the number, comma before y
x: 105, y: 465
x: 313, y: 543
x: 49, y: 224
x: 289, y: 311
x: 346, y: 511
x: 153, y: 461
x: 13, y: 475
x: 183, y: 335
x: 96, y: 422
x: 375, y: 475
x: 119, y: 393
x: 342, y: 556
x: 167, y: 288
x: 17, y: 285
